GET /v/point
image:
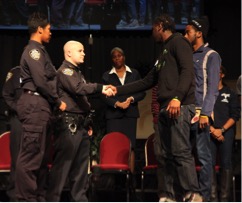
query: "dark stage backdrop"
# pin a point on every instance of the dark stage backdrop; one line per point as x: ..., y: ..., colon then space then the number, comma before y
x: 140, y: 49
x: 98, y: 14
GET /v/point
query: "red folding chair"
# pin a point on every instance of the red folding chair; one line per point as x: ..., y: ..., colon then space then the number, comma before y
x: 5, y: 158
x: 31, y: 2
x: 150, y: 168
x: 114, y: 153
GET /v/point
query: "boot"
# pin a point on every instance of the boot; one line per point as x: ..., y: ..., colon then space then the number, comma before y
x: 214, y: 191
x: 226, y: 181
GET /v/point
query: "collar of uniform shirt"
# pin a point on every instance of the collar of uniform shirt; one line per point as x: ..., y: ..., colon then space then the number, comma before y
x: 113, y: 70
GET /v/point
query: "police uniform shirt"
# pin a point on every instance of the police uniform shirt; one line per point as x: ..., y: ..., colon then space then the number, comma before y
x: 12, y: 88
x: 38, y: 73
x: 73, y: 88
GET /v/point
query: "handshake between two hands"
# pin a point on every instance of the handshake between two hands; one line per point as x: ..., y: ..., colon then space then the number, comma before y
x: 109, y: 90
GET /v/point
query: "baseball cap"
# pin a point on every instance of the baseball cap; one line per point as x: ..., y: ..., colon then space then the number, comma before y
x: 201, y: 24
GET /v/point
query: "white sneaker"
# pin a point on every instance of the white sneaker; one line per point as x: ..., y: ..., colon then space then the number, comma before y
x: 166, y: 199
x: 192, y: 197
x: 122, y: 23
x: 134, y: 23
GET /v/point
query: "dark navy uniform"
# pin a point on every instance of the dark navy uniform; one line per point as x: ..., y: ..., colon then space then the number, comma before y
x: 34, y: 109
x: 11, y: 93
x: 71, y: 138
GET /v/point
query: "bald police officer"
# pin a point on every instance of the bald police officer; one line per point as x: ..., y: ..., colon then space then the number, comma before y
x: 71, y: 139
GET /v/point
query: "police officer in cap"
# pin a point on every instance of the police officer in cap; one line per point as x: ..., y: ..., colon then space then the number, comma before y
x: 11, y: 93
x: 34, y: 109
x: 71, y: 153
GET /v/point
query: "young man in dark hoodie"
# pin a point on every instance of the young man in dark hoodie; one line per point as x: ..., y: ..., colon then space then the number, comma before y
x: 174, y: 74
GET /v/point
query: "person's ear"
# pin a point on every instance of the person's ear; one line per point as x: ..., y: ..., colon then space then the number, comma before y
x: 159, y: 27
x: 40, y: 30
x: 199, y: 34
x: 69, y: 53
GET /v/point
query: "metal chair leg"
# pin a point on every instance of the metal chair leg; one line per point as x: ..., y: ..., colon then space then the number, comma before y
x: 128, y: 187
x: 142, y: 185
x: 233, y: 185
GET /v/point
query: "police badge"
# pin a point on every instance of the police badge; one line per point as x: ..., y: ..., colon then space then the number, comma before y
x: 35, y: 54
x: 9, y: 75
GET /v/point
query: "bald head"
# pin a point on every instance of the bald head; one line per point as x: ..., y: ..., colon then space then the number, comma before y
x: 74, y: 52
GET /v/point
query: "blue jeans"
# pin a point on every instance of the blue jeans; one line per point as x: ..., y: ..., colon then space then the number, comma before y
x: 128, y: 7
x: 142, y: 10
x: 184, y: 8
x: 132, y: 9
x: 177, y: 164
x: 204, y: 156
x: 224, y: 149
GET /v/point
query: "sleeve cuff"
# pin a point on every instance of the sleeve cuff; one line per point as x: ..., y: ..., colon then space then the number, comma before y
x: 99, y: 88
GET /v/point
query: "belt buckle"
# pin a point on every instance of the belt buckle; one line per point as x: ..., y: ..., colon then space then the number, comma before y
x: 72, y: 127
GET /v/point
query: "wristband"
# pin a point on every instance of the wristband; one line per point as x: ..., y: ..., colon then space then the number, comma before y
x: 223, y: 129
x: 176, y: 99
x: 203, y: 116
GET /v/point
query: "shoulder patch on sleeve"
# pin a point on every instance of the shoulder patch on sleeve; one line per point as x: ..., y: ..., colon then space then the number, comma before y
x: 67, y: 71
x: 9, y: 75
x: 34, y: 54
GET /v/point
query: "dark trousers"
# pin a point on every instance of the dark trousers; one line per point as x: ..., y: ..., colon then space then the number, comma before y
x: 34, y: 113
x: 124, y: 125
x: 177, y: 164
x: 225, y: 149
x: 15, y: 136
x: 71, y: 157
